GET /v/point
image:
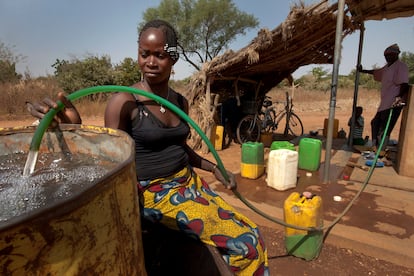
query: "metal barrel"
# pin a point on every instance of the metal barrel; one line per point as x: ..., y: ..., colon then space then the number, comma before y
x: 96, y: 231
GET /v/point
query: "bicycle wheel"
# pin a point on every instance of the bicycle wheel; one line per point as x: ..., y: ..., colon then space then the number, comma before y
x: 248, y: 129
x: 295, y: 125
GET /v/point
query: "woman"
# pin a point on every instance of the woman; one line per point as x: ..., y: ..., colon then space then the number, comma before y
x: 170, y: 191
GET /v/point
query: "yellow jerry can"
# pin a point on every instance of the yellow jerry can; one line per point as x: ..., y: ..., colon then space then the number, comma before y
x: 303, y: 211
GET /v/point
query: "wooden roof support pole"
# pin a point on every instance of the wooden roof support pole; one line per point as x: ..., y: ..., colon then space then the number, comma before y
x: 256, y: 93
x: 236, y: 91
x: 210, y: 106
x: 357, y: 74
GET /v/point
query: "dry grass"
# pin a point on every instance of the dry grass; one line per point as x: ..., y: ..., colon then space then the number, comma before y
x: 14, y: 96
x: 317, y: 101
x: 308, y: 104
x: 311, y: 106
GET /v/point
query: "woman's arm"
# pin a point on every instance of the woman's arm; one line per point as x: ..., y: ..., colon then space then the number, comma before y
x: 360, y: 69
x: 197, y: 161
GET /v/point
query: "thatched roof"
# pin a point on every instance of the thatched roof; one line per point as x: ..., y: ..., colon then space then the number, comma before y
x: 363, y: 10
x: 307, y: 36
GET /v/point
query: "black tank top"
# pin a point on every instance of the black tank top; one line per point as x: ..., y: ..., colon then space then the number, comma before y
x: 159, y: 149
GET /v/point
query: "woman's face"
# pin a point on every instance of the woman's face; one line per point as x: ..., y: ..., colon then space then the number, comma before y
x: 154, y: 61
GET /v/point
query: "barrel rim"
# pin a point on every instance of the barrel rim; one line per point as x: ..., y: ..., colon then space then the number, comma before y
x: 82, y: 196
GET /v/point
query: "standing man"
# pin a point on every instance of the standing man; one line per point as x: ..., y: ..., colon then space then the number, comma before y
x: 394, y: 87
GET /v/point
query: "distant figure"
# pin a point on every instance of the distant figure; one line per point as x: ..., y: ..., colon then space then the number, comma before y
x: 394, y: 87
x: 359, y: 127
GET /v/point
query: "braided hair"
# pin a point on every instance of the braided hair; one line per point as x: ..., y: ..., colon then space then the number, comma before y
x: 171, y: 43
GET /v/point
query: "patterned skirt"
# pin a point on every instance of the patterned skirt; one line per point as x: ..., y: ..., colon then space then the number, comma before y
x: 185, y: 202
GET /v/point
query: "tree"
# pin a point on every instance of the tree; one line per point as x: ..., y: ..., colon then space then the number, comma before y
x: 408, y: 58
x: 127, y: 72
x: 8, y: 61
x: 205, y: 27
x: 319, y: 73
x: 365, y: 80
x: 77, y: 74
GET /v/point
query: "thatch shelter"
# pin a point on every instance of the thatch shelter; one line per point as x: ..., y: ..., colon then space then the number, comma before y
x: 307, y: 36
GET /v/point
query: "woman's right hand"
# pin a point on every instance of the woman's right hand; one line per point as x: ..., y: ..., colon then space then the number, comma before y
x: 68, y: 115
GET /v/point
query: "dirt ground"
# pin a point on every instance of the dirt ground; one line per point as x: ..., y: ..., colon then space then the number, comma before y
x: 332, y: 260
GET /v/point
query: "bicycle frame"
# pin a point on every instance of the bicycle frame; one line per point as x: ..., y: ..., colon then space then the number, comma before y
x: 267, y: 120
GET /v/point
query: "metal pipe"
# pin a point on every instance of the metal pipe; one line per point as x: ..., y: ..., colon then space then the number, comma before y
x: 337, y: 55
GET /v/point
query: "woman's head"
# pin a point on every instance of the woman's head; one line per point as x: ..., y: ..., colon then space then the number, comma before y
x: 157, y: 51
x: 171, y: 40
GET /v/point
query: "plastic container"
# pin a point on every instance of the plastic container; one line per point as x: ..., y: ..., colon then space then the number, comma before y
x: 96, y: 230
x: 252, y: 160
x: 217, y: 137
x: 282, y: 169
x: 335, y: 128
x: 252, y: 171
x: 304, y: 212
x: 310, y: 150
x: 282, y: 145
x: 252, y: 153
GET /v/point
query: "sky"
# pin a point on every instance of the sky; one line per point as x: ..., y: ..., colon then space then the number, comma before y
x: 45, y: 30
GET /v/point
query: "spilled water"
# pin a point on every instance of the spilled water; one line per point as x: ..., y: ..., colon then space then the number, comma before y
x: 57, y: 177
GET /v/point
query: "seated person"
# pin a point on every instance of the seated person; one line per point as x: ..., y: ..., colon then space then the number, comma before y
x: 359, y: 127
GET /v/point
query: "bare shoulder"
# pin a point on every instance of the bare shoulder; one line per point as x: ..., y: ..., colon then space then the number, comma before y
x: 121, y: 97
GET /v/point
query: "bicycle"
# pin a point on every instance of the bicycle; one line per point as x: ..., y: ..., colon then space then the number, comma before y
x: 268, y: 119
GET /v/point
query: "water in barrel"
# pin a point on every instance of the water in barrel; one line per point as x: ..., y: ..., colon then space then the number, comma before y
x: 57, y: 176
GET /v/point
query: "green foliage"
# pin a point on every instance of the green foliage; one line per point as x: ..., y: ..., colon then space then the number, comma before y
x: 94, y: 71
x: 8, y: 61
x: 365, y: 80
x: 127, y: 73
x: 312, y: 82
x: 77, y: 74
x: 319, y: 73
x: 408, y: 58
x: 205, y: 27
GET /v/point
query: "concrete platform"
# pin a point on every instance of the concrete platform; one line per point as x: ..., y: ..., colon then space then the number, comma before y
x: 380, y: 223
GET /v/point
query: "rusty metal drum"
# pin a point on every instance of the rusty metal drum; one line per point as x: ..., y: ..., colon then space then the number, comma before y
x: 95, y: 231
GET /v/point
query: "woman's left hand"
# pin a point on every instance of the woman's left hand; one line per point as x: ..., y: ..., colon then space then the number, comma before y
x: 230, y: 184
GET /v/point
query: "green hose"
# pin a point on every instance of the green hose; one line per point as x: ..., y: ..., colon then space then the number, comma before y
x: 47, y: 119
